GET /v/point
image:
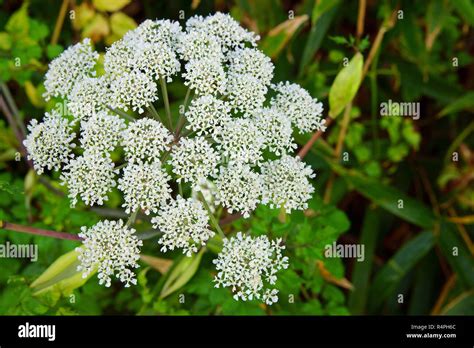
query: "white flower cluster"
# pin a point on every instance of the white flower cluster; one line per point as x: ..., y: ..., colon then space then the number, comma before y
x: 285, y: 183
x: 184, y: 224
x: 49, y: 143
x: 228, y: 130
x: 194, y: 160
x: 144, y: 186
x: 247, y: 264
x: 112, y: 249
x: 74, y: 64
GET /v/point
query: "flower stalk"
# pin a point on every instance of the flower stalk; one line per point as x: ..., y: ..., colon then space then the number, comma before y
x: 213, y: 219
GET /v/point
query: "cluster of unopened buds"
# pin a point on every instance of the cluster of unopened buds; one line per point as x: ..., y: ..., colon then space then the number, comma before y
x: 232, y: 145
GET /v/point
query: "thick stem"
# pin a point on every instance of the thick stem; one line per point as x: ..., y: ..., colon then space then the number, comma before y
x: 213, y: 219
x: 38, y: 231
x: 166, y: 101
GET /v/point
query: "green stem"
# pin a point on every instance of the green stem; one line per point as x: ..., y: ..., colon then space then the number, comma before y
x: 132, y: 218
x: 182, y: 119
x: 13, y: 107
x: 180, y: 188
x: 155, y: 113
x: 121, y: 113
x: 214, y: 221
x: 164, y: 91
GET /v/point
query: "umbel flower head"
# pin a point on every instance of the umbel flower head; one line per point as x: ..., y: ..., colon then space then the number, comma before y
x: 230, y: 151
x: 249, y: 265
x: 144, y: 186
x: 113, y: 249
x: 184, y: 224
x: 49, y: 143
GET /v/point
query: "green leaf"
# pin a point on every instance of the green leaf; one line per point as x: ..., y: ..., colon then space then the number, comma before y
x: 389, y: 198
x: 110, y: 6
x: 465, y: 8
x: 278, y: 38
x: 362, y: 270
x: 38, y: 30
x: 466, y: 102
x: 457, y: 253
x: 397, y: 267
x: 5, y: 41
x: 345, y: 86
x: 120, y: 23
x: 18, y: 24
x: 318, y: 30
x: 52, y: 51
x: 181, y: 274
x: 61, y: 277
x: 461, y: 305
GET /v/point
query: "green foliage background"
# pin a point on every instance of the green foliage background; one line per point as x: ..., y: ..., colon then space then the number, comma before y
x: 422, y: 250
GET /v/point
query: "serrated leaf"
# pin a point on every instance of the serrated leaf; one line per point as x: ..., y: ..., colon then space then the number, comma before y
x: 345, y: 85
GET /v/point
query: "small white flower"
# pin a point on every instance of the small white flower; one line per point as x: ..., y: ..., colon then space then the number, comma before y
x: 119, y: 57
x: 113, y: 249
x: 144, y: 186
x: 207, y: 115
x: 249, y: 265
x: 239, y: 189
x: 245, y: 92
x: 241, y: 141
x: 89, y: 96
x: 49, y: 143
x: 90, y: 176
x: 296, y: 103
x: 276, y: 130
x: 286, y: 183
x: 134, y: 90
x: 161, y: 31
x: 184, y: 224
x: 205, y: 76
x: 71, y: 66
x: 102, y: 132
x: 227, y: 30
x: 198, y: 45
x: 145, y: 140
x: 194, y: 160
x: 253, y: 62
x: 157, y: 60
x: 150, y: 48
